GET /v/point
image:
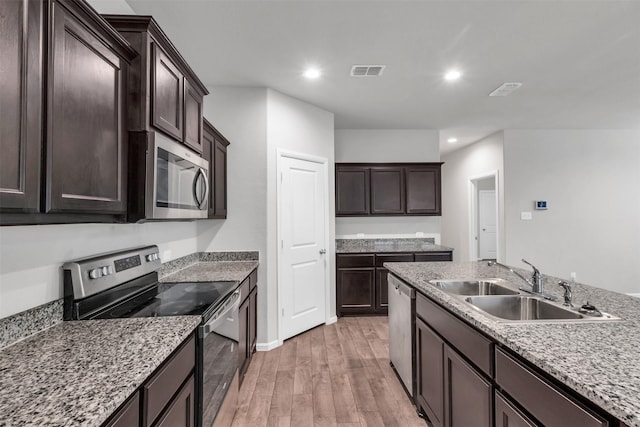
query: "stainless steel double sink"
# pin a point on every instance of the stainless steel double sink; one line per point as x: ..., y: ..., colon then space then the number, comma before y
x: 498, y: 300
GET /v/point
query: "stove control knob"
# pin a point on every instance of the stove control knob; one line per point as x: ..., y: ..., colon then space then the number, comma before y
x: 96, y: 273
x: 107, y: 270
x: 153, y: 257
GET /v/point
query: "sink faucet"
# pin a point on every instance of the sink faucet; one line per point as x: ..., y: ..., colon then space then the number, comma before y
x: 568, y: 293
x: 536, y: 282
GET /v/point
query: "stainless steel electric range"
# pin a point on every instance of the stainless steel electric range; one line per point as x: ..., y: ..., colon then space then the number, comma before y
x: 125, y: 284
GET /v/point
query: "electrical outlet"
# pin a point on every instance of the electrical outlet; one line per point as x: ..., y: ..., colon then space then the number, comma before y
x: 526, y: 216
x: 166, y: 255
x: 419, y: 234
x: 573, y: 275
x: 360, y: 235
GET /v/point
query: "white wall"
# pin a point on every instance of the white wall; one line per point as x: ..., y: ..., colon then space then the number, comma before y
x: 459, y: 166
x: 258, y: 122
x: 31, y: 257
x: 112, y: 6
x: 387, y: 146
x: 298, y: 127
x: 591, y: 180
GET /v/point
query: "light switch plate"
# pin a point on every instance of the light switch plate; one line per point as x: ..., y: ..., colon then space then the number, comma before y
x: 526, y: 216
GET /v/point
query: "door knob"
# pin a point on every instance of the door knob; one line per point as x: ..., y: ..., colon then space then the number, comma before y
x: 323, y: 251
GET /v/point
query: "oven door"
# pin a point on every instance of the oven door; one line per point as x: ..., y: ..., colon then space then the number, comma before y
x: 218, y: 388
x: 177, y: 181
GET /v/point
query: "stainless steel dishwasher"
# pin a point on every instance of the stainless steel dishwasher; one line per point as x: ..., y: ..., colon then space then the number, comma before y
x: 401, y: 308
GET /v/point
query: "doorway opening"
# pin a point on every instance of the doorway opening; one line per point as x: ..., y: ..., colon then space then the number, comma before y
x: 484, y: 218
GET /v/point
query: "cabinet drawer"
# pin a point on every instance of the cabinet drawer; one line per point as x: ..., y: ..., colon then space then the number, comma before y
x: 509, y: 416
x: 348, y: 261
x: 253, y: 279
x: 548, y: 404
x: 381, y: 259
x: 434, y: 256
x: 463, y: 337
x: 163, y: 385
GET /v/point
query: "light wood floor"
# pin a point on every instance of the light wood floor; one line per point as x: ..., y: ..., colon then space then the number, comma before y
x: 335, y: 375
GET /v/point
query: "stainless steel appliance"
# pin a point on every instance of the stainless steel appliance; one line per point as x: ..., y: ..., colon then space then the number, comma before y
x: 401, y: 305
x: 125, y: 284
x: 166, y: 179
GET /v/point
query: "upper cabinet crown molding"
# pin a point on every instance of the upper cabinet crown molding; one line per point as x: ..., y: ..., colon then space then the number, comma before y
x: 388, y: 189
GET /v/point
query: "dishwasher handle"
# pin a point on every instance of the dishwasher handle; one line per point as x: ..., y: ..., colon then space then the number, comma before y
x: 401, y: 287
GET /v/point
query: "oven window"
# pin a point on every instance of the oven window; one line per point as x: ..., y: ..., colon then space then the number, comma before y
x: 175, y: 184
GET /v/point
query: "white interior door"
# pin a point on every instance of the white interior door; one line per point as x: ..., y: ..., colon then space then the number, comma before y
x: 487, y: 223
x: 302, y: 281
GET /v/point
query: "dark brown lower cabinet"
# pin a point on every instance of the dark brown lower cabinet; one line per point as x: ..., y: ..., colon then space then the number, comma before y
x: 128, y: 415
x: 181, y: 411
x: 507, y: 415
x: 243, y: 351
x: 248, y: 322
x: 382, y: 290
x: 253, y: 320
x: 356, y: 293
x: 429, y: 373
x: 468, y: 396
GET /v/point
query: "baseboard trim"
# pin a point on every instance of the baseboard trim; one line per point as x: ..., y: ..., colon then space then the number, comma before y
x: 332, y: 319
x: 266, y: 346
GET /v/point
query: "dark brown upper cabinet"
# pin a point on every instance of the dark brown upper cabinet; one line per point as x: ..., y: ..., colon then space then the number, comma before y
x: 164, y: 93
x: 215, y: 150
x: 387, y: 189
x: 79, y: 156
x: 21, y: 105
x: 352, y: 190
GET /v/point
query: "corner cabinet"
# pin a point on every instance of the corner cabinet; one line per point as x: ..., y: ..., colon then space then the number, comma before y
x: 83, y: 143
x: 464, y: 378
x: 215, y: 151
x: 164, y: 93
x: 388, y: 189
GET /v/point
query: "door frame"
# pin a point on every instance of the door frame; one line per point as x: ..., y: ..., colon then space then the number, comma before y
x: 329, y: 248
x: 473, y: 214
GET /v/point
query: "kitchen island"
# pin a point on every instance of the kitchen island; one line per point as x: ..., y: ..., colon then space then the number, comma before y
x: 598, y: 361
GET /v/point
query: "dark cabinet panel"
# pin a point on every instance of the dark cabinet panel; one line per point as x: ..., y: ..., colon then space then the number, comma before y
x: 181, y: 410
x: 243, y: 349
x: 387, y: 190
x: 356, y: 290
x: 430, y: 375
x: 355, y: 260
x: 434, y: 256
x: 352, y: 190
x: 192, y: 117
x: 382, y: 290
x: 248, y: 322
x: 253, y: 321
x: 215, y: 151
x: 167, y: 94
x: 423, y: 190
x: 508, y: 416
x: 86, y: 131
x: 21, y: 105
x: 468, y: 396
x: 128, y: 415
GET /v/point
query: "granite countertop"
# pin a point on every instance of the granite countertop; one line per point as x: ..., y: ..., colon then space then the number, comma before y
x: 348, y: 246
x: 78, y: 373
x: 212, y: 271
x: 600, y: 361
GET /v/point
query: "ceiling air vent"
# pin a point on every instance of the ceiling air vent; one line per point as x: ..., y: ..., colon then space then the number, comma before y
x: 367, y: 70
x: 505, y: 89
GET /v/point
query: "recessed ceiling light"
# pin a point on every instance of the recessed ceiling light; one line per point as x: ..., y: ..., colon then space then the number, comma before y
x: 312, y: 73
x: 452, y: 75
x: 452, y: 140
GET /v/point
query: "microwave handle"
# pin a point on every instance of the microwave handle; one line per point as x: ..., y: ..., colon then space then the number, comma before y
x: 201, y: 203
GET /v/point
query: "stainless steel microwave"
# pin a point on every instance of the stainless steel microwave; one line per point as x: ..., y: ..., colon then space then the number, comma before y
x: 167, y: 181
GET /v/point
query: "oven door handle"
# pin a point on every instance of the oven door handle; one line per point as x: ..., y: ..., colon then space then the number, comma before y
x: 232, y: 303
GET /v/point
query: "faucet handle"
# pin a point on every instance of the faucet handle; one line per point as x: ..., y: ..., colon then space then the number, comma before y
x: 568, y: 293
x: 535, y: 270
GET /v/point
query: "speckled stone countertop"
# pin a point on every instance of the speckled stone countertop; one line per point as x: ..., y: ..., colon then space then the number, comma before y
x: 348, y: 246
x: 600, y: 361
x: 79, y: 373
x: 211, y: 271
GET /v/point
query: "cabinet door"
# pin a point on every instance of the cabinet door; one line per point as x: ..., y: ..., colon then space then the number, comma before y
x: 253, y: 321
x: 21, y: 105
x: 86, y: 138
x: 192, y: 118
x: 352, y: 190
x: 423, y: 190
x: 356, y: 290
x: 167, y: 95
x: 180, y: 412
x: 387, y: 191
x: 508, y: 416
x: 128, y: 415
x: 429, y: 373
x: 243, y: 349
x: 220, y: 179
x: 467, y: 394
x: 382, y: 290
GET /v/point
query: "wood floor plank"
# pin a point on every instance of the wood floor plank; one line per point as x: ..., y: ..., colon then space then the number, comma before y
x: 332, y: 375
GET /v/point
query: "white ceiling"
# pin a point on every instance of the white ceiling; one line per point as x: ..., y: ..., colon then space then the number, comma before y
x: 579, y: 61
